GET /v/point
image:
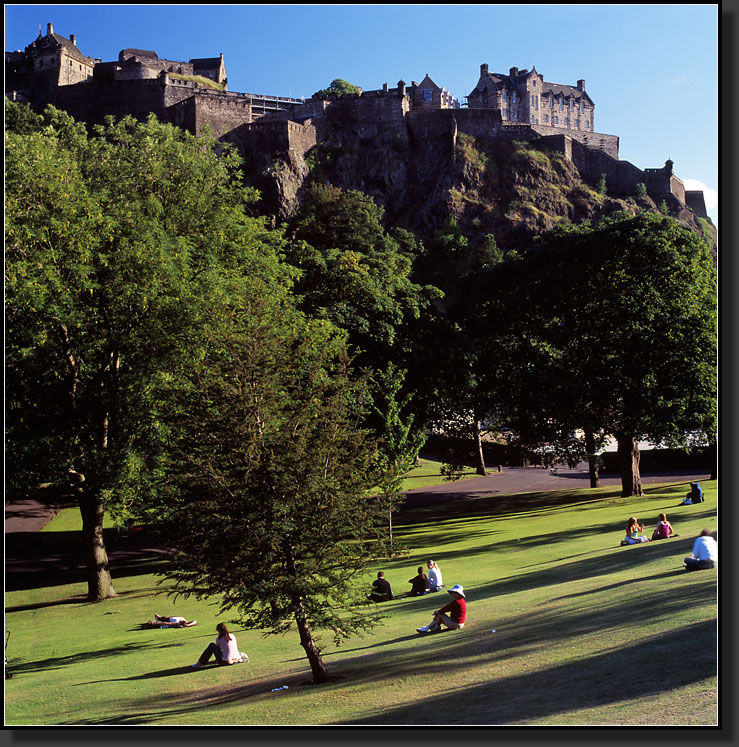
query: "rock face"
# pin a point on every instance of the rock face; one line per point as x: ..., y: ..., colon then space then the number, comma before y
x: 513, y: 189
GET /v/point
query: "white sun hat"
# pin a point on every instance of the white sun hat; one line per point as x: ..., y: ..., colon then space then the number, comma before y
x: 459, y: 589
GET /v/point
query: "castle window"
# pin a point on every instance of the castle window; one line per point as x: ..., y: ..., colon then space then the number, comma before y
x: 546, y: 118
x: 427, y: 94
x: 551, y: 101
x: 515, y: 115
x: 572, y: 105
x: 556, y: 119
x: 561, y: 104
x: 513, y: 97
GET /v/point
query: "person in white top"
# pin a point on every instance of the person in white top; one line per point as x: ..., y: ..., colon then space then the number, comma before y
x: 225, y: 649
x: 705, y: 553
x: 170, y: 621
x: 435, y: 581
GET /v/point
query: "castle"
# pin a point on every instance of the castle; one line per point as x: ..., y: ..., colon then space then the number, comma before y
x: 193, y: 95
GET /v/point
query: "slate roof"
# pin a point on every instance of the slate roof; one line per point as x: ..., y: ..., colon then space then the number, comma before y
x: 501, y: 80
x: 206, y: 62
x: 66, y: 44
x: 138, y: 53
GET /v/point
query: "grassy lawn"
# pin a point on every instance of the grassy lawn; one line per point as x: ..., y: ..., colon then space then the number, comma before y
x: 586, y: 632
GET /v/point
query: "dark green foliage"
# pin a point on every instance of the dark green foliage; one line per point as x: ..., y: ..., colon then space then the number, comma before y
x: 353, y: 272
x: 113, y: 243
x: 272, y: 468
x: 609, y: 328
x: 600, y: 186
x: 640, y: 190
x: 338, y: 88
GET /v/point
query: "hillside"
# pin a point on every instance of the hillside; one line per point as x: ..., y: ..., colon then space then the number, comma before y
x: 514, y: 190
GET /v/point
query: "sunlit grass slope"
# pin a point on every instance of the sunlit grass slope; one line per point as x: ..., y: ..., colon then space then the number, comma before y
x: 586, y: 632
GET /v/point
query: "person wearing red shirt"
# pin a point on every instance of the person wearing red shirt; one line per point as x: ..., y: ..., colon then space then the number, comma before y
x: 457, y: 610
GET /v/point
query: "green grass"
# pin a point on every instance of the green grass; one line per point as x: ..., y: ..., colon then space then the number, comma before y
x: 428, y: 473
x: 587, y: 632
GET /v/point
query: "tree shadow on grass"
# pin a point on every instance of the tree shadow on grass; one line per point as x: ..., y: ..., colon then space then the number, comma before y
x: 44, y: 665
x: 43, y: 559
x: 590, y: 682
x: 174, y: 671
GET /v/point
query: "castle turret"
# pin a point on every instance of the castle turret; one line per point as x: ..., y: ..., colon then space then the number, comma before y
x: 401, y: 87
x: 49, y: 29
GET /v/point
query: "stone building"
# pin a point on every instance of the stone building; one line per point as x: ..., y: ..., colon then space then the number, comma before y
x: 427, y: 95
x: 524, y: 97
x: 51, y: 61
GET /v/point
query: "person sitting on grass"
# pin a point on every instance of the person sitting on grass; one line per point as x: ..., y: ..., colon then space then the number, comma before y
x: 457, y: 610
x: 634, y: 532
x: 663, y: 529
x: 705, y: 553
x: 170, y: 621
x: 225, y: 649
x: 435, y: 581
x: 419, y: 583
x: 381, y: 591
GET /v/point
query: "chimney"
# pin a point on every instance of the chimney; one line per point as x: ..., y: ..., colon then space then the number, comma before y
x: 384, y: 88
x: 513, y: 72
x: 581, y: 84
x: 484, y: 68
x: 49, y: 29
x: 73, y: 39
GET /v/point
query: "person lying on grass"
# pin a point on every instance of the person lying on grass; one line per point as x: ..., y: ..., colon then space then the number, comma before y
x: 457, y: 610
x: 663, y: 529
x: 634, y: 532
x: 225, y: 649
x: 170, y: 621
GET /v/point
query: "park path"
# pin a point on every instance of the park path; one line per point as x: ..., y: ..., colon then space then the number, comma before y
x: 534, y: 479
x: 33, y: 516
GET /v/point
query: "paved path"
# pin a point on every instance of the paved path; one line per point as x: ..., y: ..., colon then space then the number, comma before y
x: 534, y: 479
x: 32, y: 516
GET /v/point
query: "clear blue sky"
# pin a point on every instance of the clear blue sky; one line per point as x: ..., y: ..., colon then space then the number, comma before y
x: 652, y: 70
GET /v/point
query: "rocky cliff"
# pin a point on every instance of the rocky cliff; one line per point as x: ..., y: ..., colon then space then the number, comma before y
x: 514, y: 190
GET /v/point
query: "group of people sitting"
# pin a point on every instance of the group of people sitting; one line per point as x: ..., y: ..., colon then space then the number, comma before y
x: 705, y: 547
x: 635, y: 529
x: 451, y: 615
x: 420, y: 583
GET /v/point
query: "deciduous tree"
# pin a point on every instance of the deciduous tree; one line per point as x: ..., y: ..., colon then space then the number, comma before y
x: 609, y: 328
x: 114, y: 245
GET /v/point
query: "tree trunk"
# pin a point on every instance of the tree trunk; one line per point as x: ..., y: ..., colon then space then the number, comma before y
x: 479, y: 456
x: 592, y: 460
x: 99, y: 581
x: 628, y: 460
x: 318, y: 668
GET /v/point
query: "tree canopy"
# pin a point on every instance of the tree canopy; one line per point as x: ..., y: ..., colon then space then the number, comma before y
x: 114, y: 245
x: 338, y: 88
x: 606, y: 328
